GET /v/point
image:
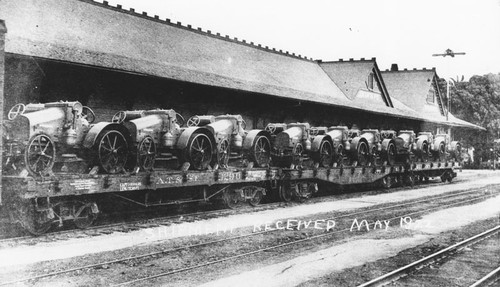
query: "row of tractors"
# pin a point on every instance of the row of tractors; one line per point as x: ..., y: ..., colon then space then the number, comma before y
x: 60, y: 137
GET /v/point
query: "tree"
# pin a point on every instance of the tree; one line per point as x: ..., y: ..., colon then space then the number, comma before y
x: 477, y: 101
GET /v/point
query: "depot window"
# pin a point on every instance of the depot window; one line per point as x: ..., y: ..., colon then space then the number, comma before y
x: 431, y: 96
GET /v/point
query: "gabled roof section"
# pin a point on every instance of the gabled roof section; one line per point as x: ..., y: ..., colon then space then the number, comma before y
x: 95, y: 34
x: 353, y: 79
x: 411, y: 87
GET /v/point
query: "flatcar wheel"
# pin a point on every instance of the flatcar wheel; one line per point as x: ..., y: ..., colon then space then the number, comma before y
x: 40, y: 155
x: 261, y: 151
x: 256, y: 194
x: 85, y: 214
x: 199, y: 151
x: 146, y: 154
x: 325, y: 154
x: 386, y: 182
x: 230, y: 198
x: 112, y: 151
x: 35, y: 222
x: 285, y: 192
x: 444, y: 177
x: 223, y: 152
x: 362, y: 154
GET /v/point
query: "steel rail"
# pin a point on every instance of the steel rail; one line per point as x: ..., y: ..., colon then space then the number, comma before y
x: 268, y: 248
x: 489, y: 279
x: 155, y: 221
x: 403, y: 271
x: 166, y: 251
x: 145, y: 221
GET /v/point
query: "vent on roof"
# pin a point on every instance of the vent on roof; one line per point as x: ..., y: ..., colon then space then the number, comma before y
x: 394, y: 67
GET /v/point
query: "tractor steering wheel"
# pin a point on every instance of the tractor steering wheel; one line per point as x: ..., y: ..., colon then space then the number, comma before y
x: 15, y: 111
x: 179, y: 119
x: 88, y: 114
x: 193, y: 121
x: 270, y: 128
x: 119, y: 117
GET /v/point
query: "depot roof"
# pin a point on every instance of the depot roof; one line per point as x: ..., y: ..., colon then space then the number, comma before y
x: 97, y: 34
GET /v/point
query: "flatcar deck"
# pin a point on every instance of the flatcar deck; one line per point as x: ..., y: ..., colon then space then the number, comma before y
x: 70, y: 184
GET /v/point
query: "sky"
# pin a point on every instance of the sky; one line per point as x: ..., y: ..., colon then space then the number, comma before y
x: 394, y: 31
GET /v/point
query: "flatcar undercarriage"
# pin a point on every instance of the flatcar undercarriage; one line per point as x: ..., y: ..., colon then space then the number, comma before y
x: 40, y: 203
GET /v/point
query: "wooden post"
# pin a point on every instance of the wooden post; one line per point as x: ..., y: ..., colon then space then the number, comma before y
x: 3, y: 30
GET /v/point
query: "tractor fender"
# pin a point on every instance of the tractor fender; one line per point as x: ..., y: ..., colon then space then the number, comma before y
x: 420, y: 144
x: 437, y: 143
x: 455, y: 146
x: 95, y: 131
x: 423, y: 138
x: 316, y: 144
x: 183, y: 140
x: 355, y: 143
x: 386, y: 143
x: 252, y: 136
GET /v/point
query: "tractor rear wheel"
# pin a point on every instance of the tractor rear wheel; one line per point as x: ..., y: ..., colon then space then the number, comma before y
x: 199, y: 151
x: 112, y: 151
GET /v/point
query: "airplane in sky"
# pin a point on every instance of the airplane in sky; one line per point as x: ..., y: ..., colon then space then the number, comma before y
x: 449, y: 52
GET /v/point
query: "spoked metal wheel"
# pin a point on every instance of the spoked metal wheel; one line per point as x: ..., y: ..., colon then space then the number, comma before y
x: 193, y: 121
x: 146, y: 153
x: 199, y: 151
x: 261, y: 151
x: 325, y: 154
x: 119, y: 117
x: 84, y: 214
x: 40, y: 155
x: 362, y: 154
x: 230, y: 198
x: 112, y: 151
x: 255, y: 195
x: 35, y: 222
x: 391, y: 154
x: 223, y: 152
x: 16, y: 110
x: 88, y: 114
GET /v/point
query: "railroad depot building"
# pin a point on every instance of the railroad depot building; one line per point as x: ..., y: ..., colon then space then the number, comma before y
x: 112, y: 59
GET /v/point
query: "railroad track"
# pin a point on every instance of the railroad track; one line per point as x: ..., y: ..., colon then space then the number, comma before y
x: 457, y: 197
x: 412, y: 267
x: 127, y: 226
x: 488, y: 280
x: 132, y: 225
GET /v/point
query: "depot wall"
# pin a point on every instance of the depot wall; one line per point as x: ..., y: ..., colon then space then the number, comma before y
x: 31, y: 79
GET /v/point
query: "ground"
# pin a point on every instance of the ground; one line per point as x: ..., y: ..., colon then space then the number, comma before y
x: 340, y: 256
